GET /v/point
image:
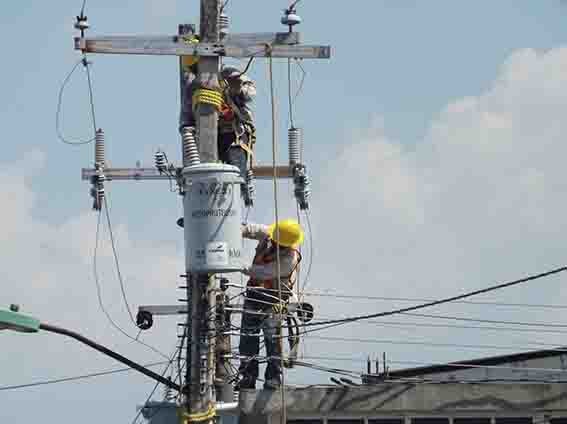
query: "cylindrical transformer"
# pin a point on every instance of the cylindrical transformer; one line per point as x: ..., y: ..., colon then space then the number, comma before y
x: 212, y: 219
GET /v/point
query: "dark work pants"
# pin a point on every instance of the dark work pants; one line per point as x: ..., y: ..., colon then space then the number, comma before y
x: 264, y: 319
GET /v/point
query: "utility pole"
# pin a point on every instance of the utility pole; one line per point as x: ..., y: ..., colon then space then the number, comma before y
x: 212, y: 244
x: 200, y: 286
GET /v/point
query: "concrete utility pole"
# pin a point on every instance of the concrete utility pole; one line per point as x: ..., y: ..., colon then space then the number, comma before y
x: 211, y: 253
x: 201, y: 296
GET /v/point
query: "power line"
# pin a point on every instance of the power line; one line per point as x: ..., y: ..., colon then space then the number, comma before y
x: 301, y: 83
x: 463, y: 327
x: 488, y: 321
x: 117, y: 263
x: 91, y: 100
x: 58, y: 131
x: 156, y: 385
x: 290, y: 100
x: 333, y: 323
x: 464, y: 365
x: 99, y: 294
x: 415, y: 299
x: 433, y: 344
x: 76, y: 378
x: 429, y: 364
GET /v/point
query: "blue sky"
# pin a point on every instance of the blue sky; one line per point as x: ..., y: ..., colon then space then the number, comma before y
x: 435, y: 137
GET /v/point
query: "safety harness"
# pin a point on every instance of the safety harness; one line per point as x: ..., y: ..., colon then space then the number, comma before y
x: 266, y: 254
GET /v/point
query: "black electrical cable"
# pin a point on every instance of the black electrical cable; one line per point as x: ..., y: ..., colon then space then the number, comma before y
x: 99, y: 295
x: 117, y: 262
x: 290, y: 101
x: 75, y: 378
x: 332, y: 323
x: 247, y: 67
x: 224, y: 6
x: 91, y: 97
x: 415, y: 299
x: 60, y: 101
x: 433, y: 344
x: 156, y: 385
x: 311, y: 250
x: 303, y: 76
x: 397, y: 324
x: 488, y: 321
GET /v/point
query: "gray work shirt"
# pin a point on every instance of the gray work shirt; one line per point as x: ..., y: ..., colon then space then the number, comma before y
x: 289, y: 258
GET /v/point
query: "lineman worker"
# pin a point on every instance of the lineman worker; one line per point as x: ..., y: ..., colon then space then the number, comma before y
x: 236, y: 131
x: 262, y: 301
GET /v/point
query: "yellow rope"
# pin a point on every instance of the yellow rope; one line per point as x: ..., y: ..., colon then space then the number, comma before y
x: 186, y: 418
x: 211, y: 97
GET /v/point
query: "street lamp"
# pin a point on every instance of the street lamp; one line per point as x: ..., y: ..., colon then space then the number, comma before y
x: 13, y: 320
x: 16, y: 321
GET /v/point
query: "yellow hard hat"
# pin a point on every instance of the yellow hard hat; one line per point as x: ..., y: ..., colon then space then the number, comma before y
x: 188, y: 61
x: 290, y: 233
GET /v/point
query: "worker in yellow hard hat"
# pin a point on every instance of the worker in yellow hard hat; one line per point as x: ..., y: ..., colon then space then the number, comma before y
x: 265, y: 293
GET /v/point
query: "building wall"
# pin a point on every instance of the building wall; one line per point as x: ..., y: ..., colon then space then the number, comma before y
x: 548, y: 368
x: 411, y: 403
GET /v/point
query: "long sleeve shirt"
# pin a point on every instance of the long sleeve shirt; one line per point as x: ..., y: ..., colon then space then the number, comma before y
x: 289, y: 258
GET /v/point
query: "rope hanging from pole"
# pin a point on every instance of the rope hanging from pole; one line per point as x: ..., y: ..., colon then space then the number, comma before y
x: 186, y: 418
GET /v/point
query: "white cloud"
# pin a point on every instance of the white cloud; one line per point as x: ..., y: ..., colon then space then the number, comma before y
x: 48, y: 268
x: 480, y: 200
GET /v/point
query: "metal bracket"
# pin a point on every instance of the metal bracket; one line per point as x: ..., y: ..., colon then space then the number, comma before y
x: 120, y: 174
x: 243, y: 45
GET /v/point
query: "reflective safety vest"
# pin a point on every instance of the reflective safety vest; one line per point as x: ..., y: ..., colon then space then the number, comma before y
x: 266, y: 254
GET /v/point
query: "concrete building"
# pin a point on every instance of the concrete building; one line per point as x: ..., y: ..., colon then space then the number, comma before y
x: 522, y: 388
x: 533, y: 366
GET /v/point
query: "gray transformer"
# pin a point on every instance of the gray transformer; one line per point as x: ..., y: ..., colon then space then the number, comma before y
x: 212, y: 221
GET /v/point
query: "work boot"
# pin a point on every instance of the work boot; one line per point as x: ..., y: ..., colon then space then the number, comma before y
x: 246, y: 382
x: 272, y: 383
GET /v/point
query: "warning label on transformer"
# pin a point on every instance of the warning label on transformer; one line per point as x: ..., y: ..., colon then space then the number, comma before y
x: 216, y: 254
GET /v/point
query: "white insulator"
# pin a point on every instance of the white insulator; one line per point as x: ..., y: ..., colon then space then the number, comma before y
x: 190, y: 150
x: 290, y: 19
x: 160, y: 161
x: 294, y: 136
x: 99, y: 148
x: 224, y: 23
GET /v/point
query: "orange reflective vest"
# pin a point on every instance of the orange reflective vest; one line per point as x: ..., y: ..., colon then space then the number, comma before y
x: 265, y: 255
